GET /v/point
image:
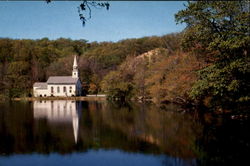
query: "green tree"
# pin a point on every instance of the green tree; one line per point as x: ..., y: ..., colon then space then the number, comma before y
x: 17, y: 79
x: 218, y: 31
x: 116, y: 86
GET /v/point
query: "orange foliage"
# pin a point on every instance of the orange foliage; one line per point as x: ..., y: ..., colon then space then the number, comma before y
x: 173, y: 77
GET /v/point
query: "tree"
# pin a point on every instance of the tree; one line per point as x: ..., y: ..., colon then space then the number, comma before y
x: 17, y: 80
x: 94, y: 87
x: 219, y: 32
x: 116, y: 86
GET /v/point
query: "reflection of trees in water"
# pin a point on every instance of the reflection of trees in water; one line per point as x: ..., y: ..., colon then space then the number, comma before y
x: 173, y: 133
x: 226, y: 142
x: 133, y: 128
x: 16, y: 128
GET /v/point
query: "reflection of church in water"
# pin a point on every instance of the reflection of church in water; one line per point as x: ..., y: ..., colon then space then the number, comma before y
x: 59, y: 111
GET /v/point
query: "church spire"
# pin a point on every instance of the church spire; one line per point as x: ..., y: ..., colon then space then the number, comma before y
x: 75, y: 73
x: 75, y: 63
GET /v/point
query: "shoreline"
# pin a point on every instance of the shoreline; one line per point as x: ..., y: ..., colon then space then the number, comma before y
x: 78, y: 98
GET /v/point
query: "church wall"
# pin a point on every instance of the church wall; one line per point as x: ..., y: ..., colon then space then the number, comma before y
x: 40, y: 92
x: 69, y: 91
x: 75, y: 90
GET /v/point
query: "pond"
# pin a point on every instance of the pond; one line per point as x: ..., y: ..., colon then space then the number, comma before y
x: 101, y: 133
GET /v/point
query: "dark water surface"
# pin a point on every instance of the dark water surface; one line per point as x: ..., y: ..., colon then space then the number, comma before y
x: 103, y: 133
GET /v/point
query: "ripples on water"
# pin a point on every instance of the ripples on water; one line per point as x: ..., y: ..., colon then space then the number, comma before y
x: 104, y: 133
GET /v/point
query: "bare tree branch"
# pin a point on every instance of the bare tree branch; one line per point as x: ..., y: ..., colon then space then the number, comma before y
x: 86, y: 5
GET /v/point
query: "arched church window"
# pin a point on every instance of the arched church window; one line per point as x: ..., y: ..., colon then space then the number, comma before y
x: 52, y: 89
x: 58, y: 89
x: 64, y: 89
x: 70, y: 89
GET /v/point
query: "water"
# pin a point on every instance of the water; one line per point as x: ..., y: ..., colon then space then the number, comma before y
x: 103, y: 133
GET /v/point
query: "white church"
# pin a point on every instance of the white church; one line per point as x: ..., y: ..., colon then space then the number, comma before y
x: 62, y: 86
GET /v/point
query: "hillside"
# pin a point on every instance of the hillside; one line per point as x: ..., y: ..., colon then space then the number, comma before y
x: 23, y: 62
x: 158, y: 75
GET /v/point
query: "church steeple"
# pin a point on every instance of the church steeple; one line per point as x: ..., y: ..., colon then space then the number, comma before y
x: 75, y: 73
x: 75, y: 63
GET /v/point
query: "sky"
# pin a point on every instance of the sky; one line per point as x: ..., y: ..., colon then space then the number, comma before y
x: 124, y: 19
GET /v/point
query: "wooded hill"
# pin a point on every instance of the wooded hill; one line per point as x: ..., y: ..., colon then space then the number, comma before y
x: 24, y: 62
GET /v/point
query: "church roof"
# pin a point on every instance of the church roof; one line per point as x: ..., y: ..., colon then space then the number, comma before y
x: 62, y: 80
x: 40, y: 85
